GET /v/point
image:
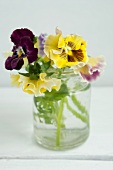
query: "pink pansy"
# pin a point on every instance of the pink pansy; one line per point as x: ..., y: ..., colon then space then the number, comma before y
x: 92, y: 69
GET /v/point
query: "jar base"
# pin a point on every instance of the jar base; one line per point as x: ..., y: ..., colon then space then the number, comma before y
x: 70, y: 138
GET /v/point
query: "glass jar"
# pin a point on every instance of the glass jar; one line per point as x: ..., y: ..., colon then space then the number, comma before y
x: 61, y: 118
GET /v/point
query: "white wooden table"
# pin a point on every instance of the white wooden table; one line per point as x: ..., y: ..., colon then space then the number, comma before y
x: 19, y: 151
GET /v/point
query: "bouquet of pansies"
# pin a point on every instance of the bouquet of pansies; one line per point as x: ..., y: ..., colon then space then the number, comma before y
x: 45, y: 63
x: 40, y: 57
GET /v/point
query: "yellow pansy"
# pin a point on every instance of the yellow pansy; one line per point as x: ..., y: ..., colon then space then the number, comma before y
x: 28, y: 86
x: 15, y: 80
x: 51, y: 44
x: 66, y: 51
x: 36, y: 87
x: 48, y: 83
x: 46, y: 59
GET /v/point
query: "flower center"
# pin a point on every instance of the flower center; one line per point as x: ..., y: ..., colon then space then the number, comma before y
x: 20, y: 51
x: 69, y: 52
x: 75, y: 55
x: 67, y: 49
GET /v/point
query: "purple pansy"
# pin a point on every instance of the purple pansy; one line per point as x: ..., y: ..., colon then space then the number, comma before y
x: 41, y: 38
x: 23, y: 47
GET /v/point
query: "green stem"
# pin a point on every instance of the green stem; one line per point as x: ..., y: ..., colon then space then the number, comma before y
x: 78, y: 115
x: 58, y: 133
x: 79, y: 105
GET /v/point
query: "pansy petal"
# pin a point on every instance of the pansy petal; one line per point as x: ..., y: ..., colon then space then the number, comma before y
x: 60, y: 62
x: 28, y: 86
x: 77, y: 66
x: 51, y: 43
x: 61, y: 42
x: 97, y: 62
x: 8, y: 63
x: 15, y: 80
x: 26, y: 43
x: 41, y: 39
x: 57, y: 84
x: 17, y: 63
x: 48, y: 84
x: 90, y: 77
x: 93, y: 68
x: 38, y: 87
x: 7, y: 54
x: 57, y: 51
x: 42, y: 76
x: 19, y: 33
x: 25, y: 62
x: 29, y: 50
x: 32, y: 55
x: 58, y: 31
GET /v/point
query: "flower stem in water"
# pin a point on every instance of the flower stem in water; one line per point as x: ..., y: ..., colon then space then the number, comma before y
x: 79, y: 105
x: 78, y: 115
x: 58, y: 132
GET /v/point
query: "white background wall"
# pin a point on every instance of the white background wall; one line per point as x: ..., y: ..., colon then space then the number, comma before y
x: 92, y: 19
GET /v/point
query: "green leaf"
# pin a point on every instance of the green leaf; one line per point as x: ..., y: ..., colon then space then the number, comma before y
x: 57, y: 95
x: 45, y: 66
x: 64, y: 89
x: 34, y: 76
x: 35, y: 39
x: 30, y: 68
x: 33, y: 69
x: 50, y: 74
x: 27, y: 68
x: 25, y: 74
x: 37, y: 68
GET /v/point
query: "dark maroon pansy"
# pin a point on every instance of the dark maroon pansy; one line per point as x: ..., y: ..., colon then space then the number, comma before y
x: 14, y: 62
x: 28, y: 49
x: 23, y: 47
x: 20, y: 33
